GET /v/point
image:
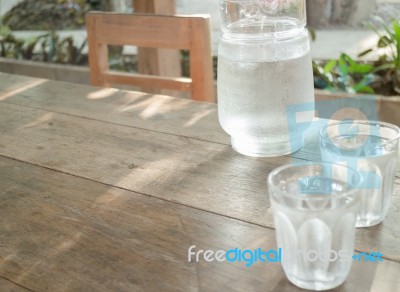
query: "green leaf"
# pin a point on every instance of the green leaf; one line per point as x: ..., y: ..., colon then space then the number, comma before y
x: 384, y: 67
x: 348, y: 59
x: 361, y: 68
x: 343, y: 66
x: 363, y: 85
x: 329, y: 66
x: 312, y: 33
x: 396, y: 29
x: 364, y: 53
x: 365, y: 89
x: 384, y: 42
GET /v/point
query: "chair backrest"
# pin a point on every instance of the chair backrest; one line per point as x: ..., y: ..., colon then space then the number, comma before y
x: 152, y: 31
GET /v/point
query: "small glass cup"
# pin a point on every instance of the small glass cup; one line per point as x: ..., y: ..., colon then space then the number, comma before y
x: 315, y: 207
x: 371, y: 148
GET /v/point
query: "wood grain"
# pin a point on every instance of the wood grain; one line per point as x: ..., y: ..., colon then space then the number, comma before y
x: 143, y: 81
x: 136, y: 109
x: 63, y: 233
x: 175, y: 168
x: 8, y: 286
x: 144, y: 30
x: 203, y: 175
x: 157, y: 113
x: 201, y: 66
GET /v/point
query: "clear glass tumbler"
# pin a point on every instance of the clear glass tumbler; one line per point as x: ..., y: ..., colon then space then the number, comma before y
x: 315, y: 207
x: 371, y: 148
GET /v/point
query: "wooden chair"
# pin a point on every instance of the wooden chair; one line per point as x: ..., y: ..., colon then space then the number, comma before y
x: 152, y: 31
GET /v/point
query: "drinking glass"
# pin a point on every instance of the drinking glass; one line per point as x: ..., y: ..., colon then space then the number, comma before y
x: 371, y: 148
x: 314, y: 208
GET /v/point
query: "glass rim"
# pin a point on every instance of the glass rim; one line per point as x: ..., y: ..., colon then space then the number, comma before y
x: 323, y: 130
x: 346, y: 193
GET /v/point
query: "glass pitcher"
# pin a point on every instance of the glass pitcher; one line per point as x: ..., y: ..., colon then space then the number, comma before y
x: 264, y: 68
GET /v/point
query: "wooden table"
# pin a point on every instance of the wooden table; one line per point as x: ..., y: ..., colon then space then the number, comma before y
x: 105, y: 190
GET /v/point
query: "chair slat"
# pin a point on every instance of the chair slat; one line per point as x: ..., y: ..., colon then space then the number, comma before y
x: 180, y: 84
x: 152, y: 31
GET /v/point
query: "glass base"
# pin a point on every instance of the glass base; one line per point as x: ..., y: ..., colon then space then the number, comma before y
x: 317, y: 286
x: 260, y: 148
x: 368, y: 222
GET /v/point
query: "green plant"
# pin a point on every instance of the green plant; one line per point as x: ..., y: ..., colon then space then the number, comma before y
x: 49, y: 47
x: 12, y: 47
x: 387, y: 68
x: 344, y: 74
x: 46, y: 15
x: 381, y: 76
x: 60, y: 50
x: 9, y: 46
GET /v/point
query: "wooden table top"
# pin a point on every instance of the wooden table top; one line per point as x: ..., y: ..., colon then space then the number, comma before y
x: 105, y: 190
